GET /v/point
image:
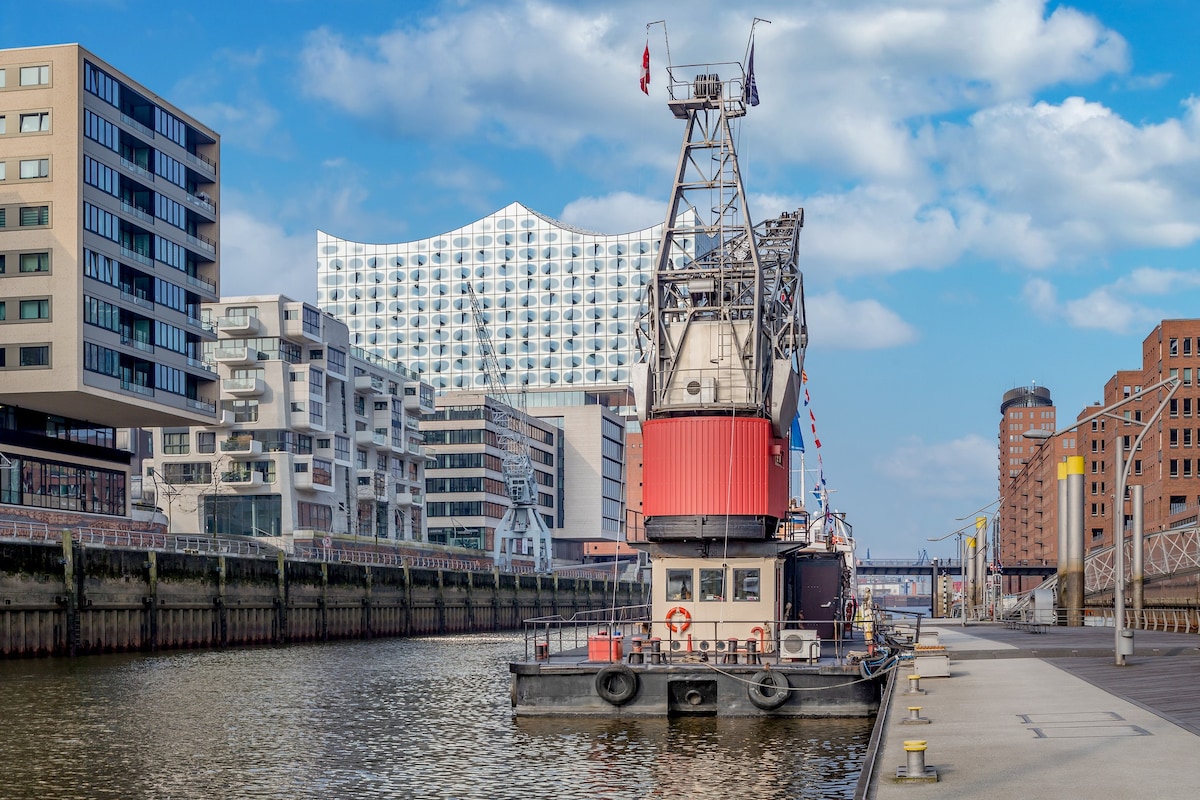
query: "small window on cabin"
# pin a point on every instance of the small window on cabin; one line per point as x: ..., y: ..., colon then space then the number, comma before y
x: 712, y: 584
x: 745, y: 585
x: 679, y: 584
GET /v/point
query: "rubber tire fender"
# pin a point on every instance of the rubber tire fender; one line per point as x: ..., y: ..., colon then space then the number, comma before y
x: 768, y: 689
x: 617, y: 684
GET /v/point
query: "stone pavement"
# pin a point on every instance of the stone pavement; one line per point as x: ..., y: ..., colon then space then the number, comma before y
x: 1027, y: 715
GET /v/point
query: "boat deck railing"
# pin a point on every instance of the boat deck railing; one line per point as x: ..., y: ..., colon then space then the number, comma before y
x: 628, y: 633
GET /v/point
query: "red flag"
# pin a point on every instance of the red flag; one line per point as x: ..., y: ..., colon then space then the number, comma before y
x: 645, y: 81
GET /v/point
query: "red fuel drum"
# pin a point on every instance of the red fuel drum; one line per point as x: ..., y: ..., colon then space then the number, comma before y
x: 713, y: 466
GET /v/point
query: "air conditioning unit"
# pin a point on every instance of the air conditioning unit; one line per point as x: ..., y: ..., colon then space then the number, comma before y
x: 800, y: 645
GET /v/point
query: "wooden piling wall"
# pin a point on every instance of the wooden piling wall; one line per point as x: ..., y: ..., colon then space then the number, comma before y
x: 69, y: 600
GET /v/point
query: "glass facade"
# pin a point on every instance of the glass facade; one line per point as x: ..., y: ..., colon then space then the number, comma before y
x: 561, y: 304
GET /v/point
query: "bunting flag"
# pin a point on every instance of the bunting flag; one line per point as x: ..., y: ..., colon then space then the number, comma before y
x: 645, y: 81
x: 797, y: 436
x: 751, y: 93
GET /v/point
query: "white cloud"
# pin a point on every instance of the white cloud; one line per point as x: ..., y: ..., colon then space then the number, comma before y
x: 1112, y: 307
x: 259, y: 256
x: 835, y: 322
x: 620, y: 212
x: 963, y: 468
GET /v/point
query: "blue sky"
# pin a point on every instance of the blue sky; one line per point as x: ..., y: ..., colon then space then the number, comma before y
x: 996, y: 193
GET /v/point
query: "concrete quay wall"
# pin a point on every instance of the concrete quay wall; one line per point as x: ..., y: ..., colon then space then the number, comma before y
x: 66, y: 600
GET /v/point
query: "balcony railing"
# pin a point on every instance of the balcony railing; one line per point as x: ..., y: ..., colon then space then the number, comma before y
x: 204, y: 203
x: 201, y: 404
x: 137, y: 126
x: 206, y: 164
x: 129, y: 208
x: 137, y: 388
x: 196, y: 280
x: 137, y: 344
x: 203, y: 242
x: 137, y: 169
x: 137, y: 256
x: 137, y: 299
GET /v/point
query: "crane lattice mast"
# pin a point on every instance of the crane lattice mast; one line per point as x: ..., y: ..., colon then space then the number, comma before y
x: 521, y: 522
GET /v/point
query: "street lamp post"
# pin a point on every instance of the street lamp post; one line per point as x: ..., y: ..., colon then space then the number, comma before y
x: 1123, y: 642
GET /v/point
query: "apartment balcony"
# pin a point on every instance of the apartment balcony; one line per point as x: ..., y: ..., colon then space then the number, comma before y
x: 243, y: 387
x: 241, y: 447
x: 243, y: 479
x: 317, y: 478
x: 404, y: 497
x: 303, y: 421
x: 296, y: 330
x: 371, y: 438
x: 240, y: 325
x: 235, y: 356
x: 369, y: 384
x: 372, y: 485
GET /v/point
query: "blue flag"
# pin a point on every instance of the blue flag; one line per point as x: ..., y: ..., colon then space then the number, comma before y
x: 797, y: 435
x: 750, y: 96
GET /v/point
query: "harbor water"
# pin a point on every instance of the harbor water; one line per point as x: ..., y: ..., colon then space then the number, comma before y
x: 395, y: 718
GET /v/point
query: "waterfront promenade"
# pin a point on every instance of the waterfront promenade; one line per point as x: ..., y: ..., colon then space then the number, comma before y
x: 1049, y: 715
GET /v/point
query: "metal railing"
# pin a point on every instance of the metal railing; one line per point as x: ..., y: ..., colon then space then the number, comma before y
x: 91, y: 536
x: 1166, y: 553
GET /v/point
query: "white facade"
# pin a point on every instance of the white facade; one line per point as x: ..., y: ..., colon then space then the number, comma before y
x: 315, y: 438
x: 561, y: 304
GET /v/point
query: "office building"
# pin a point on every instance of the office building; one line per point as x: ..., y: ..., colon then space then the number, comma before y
x: 315, y: 439
x: 109, y: 225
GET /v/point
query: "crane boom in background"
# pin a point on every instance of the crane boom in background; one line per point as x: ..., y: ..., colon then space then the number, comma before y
x: 522, y: 531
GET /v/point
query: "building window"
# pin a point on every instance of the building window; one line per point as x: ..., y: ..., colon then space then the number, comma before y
x: 1172, y: 347
x: 35, y: 309
x: 35, y: 168
x: 37, y: 122
x: 3, y: 166
x: 35, y: 215
x: 1173, y: 465
x: 175, y: 443
x: 33, y: 262
x: 35, y: 76
x: 206, y: 442
x: 35, y: 356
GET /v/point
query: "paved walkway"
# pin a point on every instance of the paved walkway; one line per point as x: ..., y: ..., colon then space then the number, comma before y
x: 1050, y: 715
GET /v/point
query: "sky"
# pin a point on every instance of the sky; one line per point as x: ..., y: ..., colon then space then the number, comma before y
x: 996, y: 193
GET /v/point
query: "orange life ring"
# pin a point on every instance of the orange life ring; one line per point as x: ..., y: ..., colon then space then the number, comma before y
x: 683, y: 626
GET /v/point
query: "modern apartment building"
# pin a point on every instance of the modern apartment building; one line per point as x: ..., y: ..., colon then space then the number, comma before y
x: 314, y: 438
x: 109, y: 225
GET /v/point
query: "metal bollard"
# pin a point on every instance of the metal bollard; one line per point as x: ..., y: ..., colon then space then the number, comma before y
x: 656, y: 650
x: 914, y: 685
x: 915, y: 749
x: 914, y: 717
x: 541, y: 651
x: 751, y: 651
x: 635, y: 654
x: 915, y: 770
x: 731, y: 651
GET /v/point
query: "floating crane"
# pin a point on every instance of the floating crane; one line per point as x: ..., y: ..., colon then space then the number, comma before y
x: 522, y: 527
x: 723, y: 338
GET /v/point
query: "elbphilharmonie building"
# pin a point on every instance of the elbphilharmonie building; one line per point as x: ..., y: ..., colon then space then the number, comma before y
x: 561, y: 304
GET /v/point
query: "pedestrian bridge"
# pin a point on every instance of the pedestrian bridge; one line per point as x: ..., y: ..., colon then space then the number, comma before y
x: 948, y: 566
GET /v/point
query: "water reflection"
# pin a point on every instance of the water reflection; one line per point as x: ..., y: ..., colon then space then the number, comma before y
x: 392, y: 718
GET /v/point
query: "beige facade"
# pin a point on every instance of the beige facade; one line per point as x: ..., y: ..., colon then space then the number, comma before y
x: 109, y: 224
x: 109, y: 199
x: 314, y: 438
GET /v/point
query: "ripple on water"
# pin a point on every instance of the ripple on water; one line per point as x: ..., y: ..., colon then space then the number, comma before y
x: 397, y: 718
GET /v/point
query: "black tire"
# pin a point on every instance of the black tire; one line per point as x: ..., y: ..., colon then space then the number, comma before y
x: 617, y: 684
x: 768, y: 689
